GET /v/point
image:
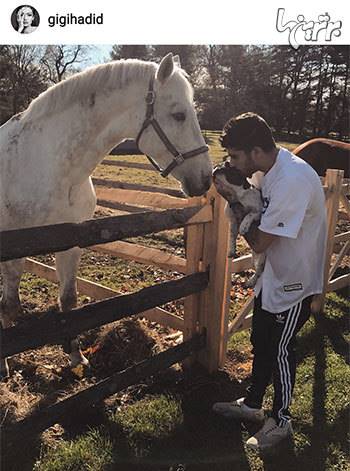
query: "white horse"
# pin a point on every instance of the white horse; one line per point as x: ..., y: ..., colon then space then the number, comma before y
x: 48, y: 152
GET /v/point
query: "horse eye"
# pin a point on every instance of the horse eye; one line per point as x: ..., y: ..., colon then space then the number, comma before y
x: 179, y: 116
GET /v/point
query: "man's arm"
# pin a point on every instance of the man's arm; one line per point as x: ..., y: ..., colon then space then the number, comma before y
x: 258, y: 240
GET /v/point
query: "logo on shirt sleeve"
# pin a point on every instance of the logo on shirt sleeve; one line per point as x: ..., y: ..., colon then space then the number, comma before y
x: 280, y: 224
x: 266, y: 203
x: 293, y: 287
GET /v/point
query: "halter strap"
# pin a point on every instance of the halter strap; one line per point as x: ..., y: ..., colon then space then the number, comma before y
x: 150, y: 120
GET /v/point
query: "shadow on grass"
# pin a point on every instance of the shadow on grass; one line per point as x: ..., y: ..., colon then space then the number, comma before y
x: 322, y: 434
x: 202, y: 442
x: 205, y: 442
x: 316, y: 455
x: 10, y: 460
x: 331, y: 328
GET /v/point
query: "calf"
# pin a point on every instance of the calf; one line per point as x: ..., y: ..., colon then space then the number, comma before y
x: 244, y: 207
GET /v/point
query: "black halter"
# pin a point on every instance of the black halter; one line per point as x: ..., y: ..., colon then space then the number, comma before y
x: 151, y: 120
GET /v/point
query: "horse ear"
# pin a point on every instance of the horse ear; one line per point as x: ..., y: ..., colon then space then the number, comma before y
x: 176, y: 60
x: 166, y: 68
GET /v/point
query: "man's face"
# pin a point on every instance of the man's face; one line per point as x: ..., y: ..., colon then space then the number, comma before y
x: 243, y: 161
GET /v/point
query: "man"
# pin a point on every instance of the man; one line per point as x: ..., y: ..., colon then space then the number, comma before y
x: 292, y: 234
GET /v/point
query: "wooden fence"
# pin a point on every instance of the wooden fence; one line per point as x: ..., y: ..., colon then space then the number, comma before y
x: 202, y: 328
x: 206, y: 285
x: 338, y: 246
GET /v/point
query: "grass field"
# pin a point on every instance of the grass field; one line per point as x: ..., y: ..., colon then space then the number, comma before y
x: 157, y: 429
x: 166, y: 422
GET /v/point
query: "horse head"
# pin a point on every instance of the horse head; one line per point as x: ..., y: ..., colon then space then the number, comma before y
x: 170, y: 134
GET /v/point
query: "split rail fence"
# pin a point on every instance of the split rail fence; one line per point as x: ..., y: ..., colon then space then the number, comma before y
x: 206, y: 280
x: 205, y: 287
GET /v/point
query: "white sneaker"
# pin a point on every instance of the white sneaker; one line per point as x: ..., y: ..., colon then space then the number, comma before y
x: 239, y: 411
x: 269, y: 435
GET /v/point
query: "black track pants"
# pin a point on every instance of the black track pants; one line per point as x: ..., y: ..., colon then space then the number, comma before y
x: 273, y: 340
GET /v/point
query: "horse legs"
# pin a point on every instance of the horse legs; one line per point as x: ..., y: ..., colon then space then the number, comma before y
x: 10, y: 305
x: 67, y: 267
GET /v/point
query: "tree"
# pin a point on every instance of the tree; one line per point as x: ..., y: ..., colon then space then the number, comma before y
x: 21, y: 78
x: 210, y: 64
x: 60, y: 61
x: 337, y: 99
x: 131, y: 51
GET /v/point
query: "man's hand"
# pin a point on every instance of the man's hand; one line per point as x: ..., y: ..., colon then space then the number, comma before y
x: 258, y: 240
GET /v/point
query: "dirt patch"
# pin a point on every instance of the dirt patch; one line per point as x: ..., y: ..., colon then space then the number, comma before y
x: 124, y: 343
x: 43, y: 376
x: 239, y: 364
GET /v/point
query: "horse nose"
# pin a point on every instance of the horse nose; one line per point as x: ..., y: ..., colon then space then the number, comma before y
x: 200, y: 188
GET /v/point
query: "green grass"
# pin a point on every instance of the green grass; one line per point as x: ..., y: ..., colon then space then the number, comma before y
x: 148, y: 421
x: 132, y: 430
x: 320, y: 407
x: 90, y: 452
x: 155, y: 426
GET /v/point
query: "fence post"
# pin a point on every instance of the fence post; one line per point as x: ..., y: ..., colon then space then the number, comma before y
x: 333, y: 183
x: 194, y: 255
x: 211, y: 307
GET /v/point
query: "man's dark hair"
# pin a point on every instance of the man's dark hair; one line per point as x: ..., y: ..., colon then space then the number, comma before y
x: 246, y: 131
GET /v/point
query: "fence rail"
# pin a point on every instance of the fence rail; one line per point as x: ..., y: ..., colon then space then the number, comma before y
x: 123, y: 163
x: 76, y: 403
x: 136, y: 186
x: 51, y: 328
x: 60, y: 237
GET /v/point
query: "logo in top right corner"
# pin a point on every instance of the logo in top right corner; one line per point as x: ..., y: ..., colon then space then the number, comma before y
x: 308, y: 30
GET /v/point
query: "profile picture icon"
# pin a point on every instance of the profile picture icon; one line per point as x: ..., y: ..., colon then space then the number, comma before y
x: 25, y: 19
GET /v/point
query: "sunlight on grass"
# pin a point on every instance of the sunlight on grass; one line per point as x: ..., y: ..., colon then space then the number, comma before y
x: 320, y: 399
x: 239, y: 341
x: 148, y: 420
x: 90, y: 452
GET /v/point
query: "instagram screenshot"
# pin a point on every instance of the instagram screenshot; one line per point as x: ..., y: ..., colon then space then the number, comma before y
x: 174, y: 235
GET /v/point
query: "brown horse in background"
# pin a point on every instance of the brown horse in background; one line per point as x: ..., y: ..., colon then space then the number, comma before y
x: 322, y: 154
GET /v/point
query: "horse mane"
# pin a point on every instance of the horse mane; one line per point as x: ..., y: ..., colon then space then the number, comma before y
x: 110, y: 76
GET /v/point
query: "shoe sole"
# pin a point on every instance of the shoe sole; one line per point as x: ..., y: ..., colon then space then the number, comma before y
x: 268, y: 448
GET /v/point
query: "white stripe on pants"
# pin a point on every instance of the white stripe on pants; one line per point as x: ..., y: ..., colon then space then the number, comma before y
x: 282, y: 359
